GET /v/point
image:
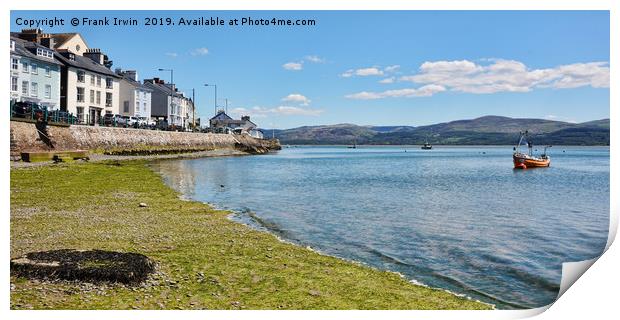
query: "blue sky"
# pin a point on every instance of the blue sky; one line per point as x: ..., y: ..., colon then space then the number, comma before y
x: 372, y: 68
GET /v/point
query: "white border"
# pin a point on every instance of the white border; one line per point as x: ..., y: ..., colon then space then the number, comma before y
x: 593, y: 295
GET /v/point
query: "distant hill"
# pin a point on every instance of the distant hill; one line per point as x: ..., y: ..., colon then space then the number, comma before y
x: 487, y: 130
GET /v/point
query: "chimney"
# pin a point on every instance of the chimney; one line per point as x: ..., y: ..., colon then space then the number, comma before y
x: 95, y: 55
x: 132, y: 74
x: 48, y: 41
x: 245, y: 118
x: 32, y: 35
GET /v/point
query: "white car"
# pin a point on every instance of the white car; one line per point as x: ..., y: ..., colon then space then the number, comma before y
x: 131, y: 121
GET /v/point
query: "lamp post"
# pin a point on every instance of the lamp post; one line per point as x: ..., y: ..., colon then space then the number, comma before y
x: 215, y: 101
x: 171, y: 87
x: 193, y: 110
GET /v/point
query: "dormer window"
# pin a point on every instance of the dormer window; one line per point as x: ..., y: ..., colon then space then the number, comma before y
x: 12, y: 45
x: 45, y: 53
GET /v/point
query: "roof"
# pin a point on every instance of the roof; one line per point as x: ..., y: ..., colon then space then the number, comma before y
x: 163, y: 88
x: 135, y: 83
x: 62, y: 38
x: 220, y: 115
x: 223, y: 117
x: 29, y: 50
x: 85, y: 63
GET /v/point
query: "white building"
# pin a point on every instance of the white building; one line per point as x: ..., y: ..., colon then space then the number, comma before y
x: 34, y: 74
x: 168, y: 104
x: 134, y: 97
x: 187, y: 111
x: 89, y: 88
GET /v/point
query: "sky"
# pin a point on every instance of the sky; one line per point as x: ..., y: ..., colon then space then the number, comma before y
x: 369, y: 67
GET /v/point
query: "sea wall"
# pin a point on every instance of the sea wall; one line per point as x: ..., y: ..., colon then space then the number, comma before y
x: 26, y: 136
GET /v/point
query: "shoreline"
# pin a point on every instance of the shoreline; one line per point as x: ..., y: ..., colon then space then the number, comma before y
x: 99, y: 157
x: 361, y: 263
x: 324, y: 288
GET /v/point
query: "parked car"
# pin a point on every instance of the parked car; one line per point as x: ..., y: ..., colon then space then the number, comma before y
x: 114, y: 120
x: 131, y: 121
x: 27, y: 109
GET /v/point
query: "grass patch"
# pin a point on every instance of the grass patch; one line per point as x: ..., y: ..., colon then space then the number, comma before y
x: 205, y: 260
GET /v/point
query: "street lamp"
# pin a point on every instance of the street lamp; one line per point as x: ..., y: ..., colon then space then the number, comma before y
x: 171, y: 87
x: 215, y: 101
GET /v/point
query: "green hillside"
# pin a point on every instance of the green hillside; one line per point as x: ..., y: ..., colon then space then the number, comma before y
x: 487, y: 130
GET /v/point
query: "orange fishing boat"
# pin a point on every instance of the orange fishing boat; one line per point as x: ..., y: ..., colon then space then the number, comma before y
x: 523, y: 160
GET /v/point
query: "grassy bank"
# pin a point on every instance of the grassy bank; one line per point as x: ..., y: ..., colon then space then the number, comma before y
x: 205, y: 260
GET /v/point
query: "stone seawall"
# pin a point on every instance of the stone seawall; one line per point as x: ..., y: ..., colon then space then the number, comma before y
x: 25, y: 136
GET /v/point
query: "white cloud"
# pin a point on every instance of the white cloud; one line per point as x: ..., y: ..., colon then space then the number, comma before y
x: 172, y: 54
x: 297, y: 98
x: 315, y: 59
x: 200, y: 52
x: 363, y: 72
x: 293, y: 66
x: 424, y: 91
x: 508, y: 76
x: 391, y: 69
x: 262, y: 112
x: 388, y: 80
x: 288, y: 110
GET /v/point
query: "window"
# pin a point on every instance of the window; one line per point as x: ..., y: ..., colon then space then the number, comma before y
x: 144, y: 106
x: 92, y: 79
x: 137, y: 106
x: 48, y: 71
x: 48, y: 91
x: 12, y: 45
x: 81, y: 75
x: 125, y: 106
x: 109, y: 83
x: 44, y: 53
x: 98, y: 97
x: 25, y: 67
x: 98, y: 81
x: 34, y: 89
x: 35, y: 68
x: 108, y: 99
x: 14, y: 84
x: 14, y: 64
x: 92, y: 96
x: 80, y: 94
x: 25, y: 88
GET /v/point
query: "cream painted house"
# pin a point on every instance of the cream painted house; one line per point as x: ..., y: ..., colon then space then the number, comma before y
x: 72, y: 42
x: 89, y: 89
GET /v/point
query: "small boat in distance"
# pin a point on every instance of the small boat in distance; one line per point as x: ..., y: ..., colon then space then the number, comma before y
x: 426, y: 145
x: 354, y: 146
x: 528, y: 160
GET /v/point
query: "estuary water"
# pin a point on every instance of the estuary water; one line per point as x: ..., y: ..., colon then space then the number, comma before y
x: 457, y: 218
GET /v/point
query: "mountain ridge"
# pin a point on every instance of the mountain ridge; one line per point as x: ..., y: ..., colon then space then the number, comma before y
x: 485, y: 130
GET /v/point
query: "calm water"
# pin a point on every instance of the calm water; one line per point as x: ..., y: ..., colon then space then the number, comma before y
x: 458, y: 218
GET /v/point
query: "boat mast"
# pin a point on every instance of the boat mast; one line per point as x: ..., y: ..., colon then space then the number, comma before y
x: 518, y: 148
x: 529, y: 143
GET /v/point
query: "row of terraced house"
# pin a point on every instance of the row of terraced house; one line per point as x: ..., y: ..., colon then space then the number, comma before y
x: 61, y: 72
